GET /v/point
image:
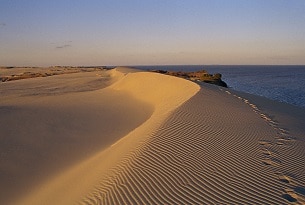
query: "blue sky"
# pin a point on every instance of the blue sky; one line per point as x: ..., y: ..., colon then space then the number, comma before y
x: 151, y: 32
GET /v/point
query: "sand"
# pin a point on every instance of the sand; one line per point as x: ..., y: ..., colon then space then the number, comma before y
x: 146, y: 138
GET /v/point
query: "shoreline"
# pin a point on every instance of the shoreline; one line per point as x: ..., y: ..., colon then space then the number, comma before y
x: 260, y: 80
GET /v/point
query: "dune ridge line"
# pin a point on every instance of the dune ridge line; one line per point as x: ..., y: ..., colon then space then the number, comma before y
x: 165, y: 93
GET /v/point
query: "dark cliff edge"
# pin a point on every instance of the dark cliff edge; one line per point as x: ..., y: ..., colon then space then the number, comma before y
x: 199, y: 76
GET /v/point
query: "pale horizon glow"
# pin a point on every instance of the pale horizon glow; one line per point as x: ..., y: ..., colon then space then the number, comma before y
x: 152, y: 32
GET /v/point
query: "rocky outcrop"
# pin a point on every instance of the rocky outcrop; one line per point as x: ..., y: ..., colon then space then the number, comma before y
x: 201, y: 76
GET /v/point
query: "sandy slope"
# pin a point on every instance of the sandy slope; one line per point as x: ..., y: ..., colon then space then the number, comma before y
x: 217, y: 148
x: 49, y: 124
x: 199, y: 146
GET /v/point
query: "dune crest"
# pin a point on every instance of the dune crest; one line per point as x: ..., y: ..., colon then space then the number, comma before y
x: 164, y: 93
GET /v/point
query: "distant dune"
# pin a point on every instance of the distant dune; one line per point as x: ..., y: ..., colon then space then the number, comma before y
x: 130, y: 137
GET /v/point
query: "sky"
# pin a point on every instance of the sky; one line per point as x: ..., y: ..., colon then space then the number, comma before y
x: 152, y: 32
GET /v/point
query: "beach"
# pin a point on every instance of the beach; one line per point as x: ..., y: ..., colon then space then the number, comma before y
x: 125, y: 136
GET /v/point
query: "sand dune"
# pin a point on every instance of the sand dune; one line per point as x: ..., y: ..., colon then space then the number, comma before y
x: 199, y: 145
x: 143, y: 87
x: 214, y: 149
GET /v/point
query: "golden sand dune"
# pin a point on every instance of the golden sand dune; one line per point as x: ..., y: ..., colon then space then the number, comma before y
x: 195, y: 145
x: 140, y: 90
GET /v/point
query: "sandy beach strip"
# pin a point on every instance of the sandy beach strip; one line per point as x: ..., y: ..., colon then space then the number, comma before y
x: 182, y: 144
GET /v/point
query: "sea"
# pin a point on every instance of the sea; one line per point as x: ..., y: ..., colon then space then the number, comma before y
x: 283, y: 83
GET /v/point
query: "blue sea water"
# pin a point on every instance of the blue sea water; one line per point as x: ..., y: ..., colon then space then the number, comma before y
x: 280, y: 83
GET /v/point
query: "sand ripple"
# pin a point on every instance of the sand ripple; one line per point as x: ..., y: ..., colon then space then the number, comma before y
x: 207, y: 152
